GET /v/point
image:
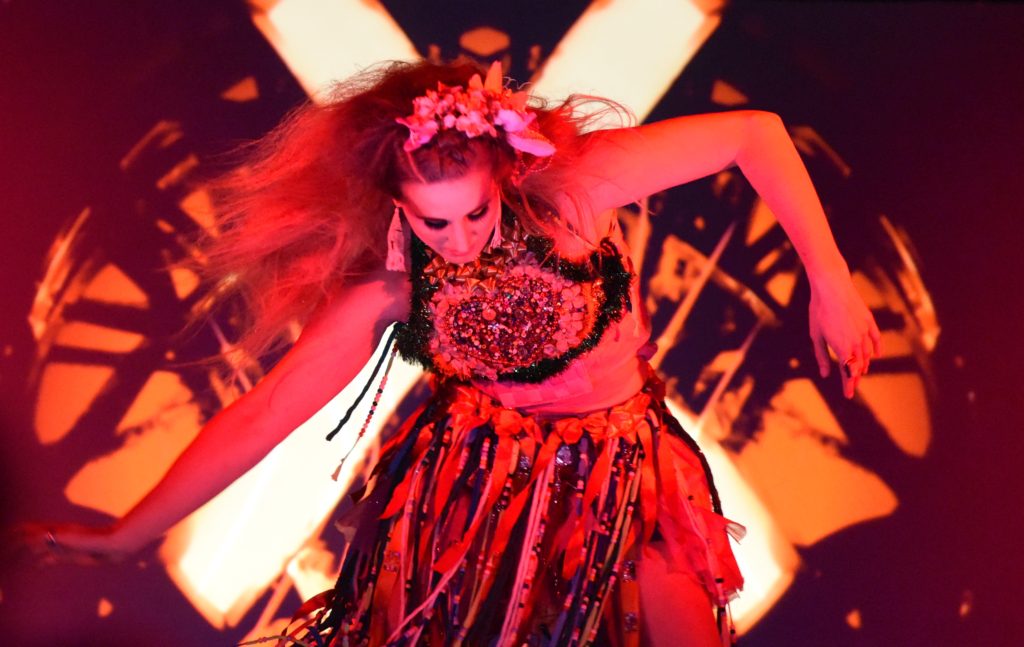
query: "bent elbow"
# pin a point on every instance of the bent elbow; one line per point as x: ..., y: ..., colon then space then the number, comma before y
x: 765, y: 119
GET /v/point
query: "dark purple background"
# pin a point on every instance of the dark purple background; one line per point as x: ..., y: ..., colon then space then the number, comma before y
x: 923, y: 100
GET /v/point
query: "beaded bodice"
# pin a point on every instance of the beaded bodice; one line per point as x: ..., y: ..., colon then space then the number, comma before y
x: 518, y: 312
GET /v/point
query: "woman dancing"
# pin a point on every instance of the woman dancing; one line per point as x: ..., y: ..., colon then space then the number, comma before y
x: 542, y: 494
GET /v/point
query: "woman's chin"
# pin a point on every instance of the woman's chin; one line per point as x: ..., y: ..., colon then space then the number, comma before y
x: 460, y: 259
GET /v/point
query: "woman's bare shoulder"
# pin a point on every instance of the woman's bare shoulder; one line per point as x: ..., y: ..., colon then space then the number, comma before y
x: 380, y: 297
x: 589, y: 226
x: 336, y: 342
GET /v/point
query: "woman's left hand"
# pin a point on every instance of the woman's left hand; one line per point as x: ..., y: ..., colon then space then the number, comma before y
x: 65, y: 543
x: 840, y: 320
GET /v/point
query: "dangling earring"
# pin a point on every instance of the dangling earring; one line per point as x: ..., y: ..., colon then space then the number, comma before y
x: 496, y: 238
x: 396, y: 244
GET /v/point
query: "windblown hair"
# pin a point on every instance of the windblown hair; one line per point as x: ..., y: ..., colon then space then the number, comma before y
x: 308, y: 206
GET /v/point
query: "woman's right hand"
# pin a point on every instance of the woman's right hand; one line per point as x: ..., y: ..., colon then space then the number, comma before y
x: 70, y: 543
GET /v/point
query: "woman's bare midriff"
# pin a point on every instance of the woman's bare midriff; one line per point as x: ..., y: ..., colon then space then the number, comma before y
x: 611, y: 373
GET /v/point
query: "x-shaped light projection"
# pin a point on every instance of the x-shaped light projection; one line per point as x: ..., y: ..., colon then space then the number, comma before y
x: 228, y: 552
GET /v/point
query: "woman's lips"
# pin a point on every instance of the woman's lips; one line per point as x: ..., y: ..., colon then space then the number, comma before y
x: 464, y: 257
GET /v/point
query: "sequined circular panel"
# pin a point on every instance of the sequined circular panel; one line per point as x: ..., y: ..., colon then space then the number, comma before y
x: 487, y: 327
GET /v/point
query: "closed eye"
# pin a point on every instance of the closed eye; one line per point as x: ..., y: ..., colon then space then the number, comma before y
x: 441, y: 224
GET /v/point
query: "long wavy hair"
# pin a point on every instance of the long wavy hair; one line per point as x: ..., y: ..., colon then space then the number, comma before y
x: 306, y: 207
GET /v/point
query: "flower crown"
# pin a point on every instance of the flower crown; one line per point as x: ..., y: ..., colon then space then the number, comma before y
x: 476, y: 111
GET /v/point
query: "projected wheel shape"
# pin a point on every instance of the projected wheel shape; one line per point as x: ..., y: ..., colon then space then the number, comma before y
x: 104, y: 315
x: 115, y: 399
x: 794, y: 459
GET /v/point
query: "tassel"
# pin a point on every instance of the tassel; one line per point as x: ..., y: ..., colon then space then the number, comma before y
x: 390, y: 349
x: 396, y: 244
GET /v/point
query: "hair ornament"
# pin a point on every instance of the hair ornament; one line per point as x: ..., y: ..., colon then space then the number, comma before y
x: 480, y: 109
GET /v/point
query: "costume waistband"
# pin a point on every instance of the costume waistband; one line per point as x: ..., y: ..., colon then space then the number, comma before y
x: 471, y: 406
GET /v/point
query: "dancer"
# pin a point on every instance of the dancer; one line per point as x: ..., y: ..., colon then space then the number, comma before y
x: 542, y: 494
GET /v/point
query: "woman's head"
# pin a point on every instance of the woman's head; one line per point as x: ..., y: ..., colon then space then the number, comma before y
x: 462, y: 143
x: 455, y: 216
x: 308, y: 206
x: 377, y: 141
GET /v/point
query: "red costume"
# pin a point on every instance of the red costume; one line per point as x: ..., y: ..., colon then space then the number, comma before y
x: 487, y: 523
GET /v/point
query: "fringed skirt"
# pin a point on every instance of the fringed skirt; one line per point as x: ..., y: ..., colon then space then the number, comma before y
x: 484, y: 526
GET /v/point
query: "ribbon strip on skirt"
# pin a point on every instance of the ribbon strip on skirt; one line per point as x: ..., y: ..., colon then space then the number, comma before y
x: 481, y: 525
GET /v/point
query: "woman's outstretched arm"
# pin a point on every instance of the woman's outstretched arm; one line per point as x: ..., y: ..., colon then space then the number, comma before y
x: 333, y: 347
x: 626, y: 164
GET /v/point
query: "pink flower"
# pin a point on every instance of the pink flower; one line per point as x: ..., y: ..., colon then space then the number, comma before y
x: 474, y: 125
x: 425, y: 106
x: 514, y: 121
x: 420, y: 131
x: 476, y: 111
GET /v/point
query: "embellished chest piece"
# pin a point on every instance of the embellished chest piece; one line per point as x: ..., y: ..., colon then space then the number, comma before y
x: 517, y: 313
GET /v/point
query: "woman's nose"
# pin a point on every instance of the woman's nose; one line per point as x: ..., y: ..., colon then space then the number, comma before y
x: 460, y: 236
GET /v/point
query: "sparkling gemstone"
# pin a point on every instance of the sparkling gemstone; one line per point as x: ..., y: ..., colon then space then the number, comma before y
x: 528, y: 314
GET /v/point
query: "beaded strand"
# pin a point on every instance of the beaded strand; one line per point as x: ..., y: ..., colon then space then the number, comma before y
x: 390, y: 350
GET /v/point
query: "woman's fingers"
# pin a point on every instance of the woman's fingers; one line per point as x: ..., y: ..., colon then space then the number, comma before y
x: 52, y: 544
x: 848, y: 379
x: 841, y: 321
x: 34, y: 541
x: 27, y: 537
x: 853, y: 366
x: 860, y: 354
x: 821, y: 353
x: 866, y: 350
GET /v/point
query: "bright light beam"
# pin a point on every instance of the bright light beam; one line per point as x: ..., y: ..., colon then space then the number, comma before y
x: 766, y: 558
x: 326, y: 40
x: 628, y: 50
x: 225, y: 554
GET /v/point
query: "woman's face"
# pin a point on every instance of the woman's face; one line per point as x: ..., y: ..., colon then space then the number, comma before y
x: 454, y: 217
